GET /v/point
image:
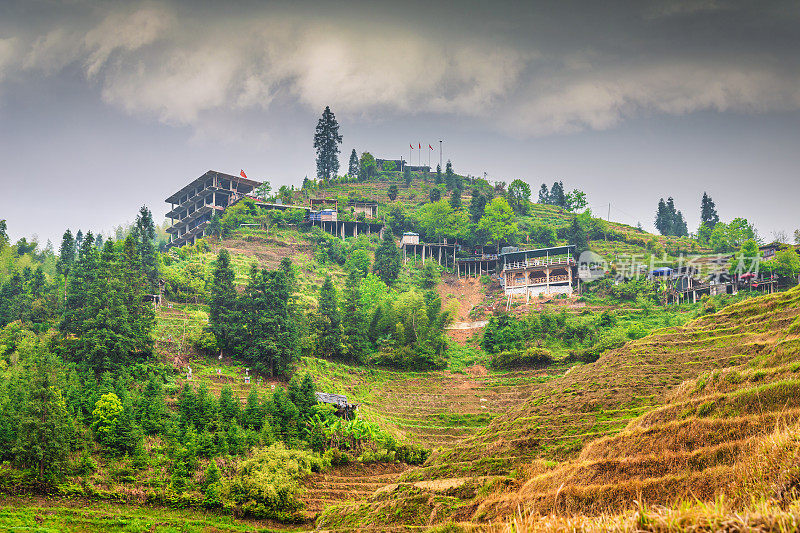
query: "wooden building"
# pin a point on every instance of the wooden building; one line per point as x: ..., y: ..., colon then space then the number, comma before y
x: 538, y: 271
x: 192, y: 207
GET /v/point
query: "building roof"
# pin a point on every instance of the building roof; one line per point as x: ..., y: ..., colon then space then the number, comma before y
x: 333, y: 399
x: 173, y: 198
x: 538, y: 252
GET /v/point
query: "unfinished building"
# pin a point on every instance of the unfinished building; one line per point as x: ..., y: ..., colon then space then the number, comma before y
x: 192, y: 207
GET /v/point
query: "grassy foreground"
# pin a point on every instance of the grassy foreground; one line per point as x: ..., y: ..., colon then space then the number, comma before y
x: 47, y: 515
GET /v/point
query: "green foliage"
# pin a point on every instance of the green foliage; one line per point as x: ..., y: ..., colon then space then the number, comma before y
x: 519, y: 196
x: 267, y: 485
x: 498, y: 222
x: 730, y: 237
x: 358, y: 261
x: 326, y: 145
x: 328, y: 322
x: 392, y: 192
x: 521, y: 358
x: 387, y: 259
x: 670, y: 221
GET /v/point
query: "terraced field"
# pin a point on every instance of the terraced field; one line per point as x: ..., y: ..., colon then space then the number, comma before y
x: 675, y: 415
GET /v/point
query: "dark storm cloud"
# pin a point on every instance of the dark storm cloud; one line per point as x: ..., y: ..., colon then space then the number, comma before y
x: 525, y: 69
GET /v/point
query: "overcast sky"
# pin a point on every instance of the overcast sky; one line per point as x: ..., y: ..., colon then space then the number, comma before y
x: 106, y: 106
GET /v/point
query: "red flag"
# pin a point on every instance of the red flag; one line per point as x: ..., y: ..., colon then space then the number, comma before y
x: 420, y: 146
x: 242, y: 174
x: 431, y: 147
x: 411, y: 146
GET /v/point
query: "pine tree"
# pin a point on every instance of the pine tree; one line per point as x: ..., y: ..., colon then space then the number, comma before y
x: 387, y: 259
x: 352, y: 168
x: 269, y: 320
x: 326, y: 144
x: 356, y: 341
x: 557, y: 195
x: 43, y: 431
x: 79, y: 284
x: 66, y: 254
x: 135, y: 285
x: 544, y: 194
x: 329, y: 322
x: 449, y: 176
x: 435, y: 194
x: 145, y: 235
x: 662, y: 222
x: 223, y: 316
x: 439, y: 178
x: 708, y: 211
x: 455, y: 199
x: 392, y: 192
x: 253, y: 415
x: 229, y: 406
x: 407, y: 175
x: 105, y: 336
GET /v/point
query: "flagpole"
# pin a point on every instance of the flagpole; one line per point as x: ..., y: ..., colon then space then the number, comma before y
x: 440, y: 153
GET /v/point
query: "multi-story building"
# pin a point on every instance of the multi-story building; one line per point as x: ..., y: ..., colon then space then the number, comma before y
x: 192, y: 207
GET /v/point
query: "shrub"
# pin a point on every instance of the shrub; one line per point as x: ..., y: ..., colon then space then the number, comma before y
x: 521, y: 358
x: 268, y: 483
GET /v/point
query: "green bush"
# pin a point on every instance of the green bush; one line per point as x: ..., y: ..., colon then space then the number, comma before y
x: 268, y: 483
x: 521, y: 358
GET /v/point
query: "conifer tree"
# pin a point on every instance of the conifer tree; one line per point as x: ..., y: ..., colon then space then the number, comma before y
x: 79, y: 285
x: 435, y: 194
x: 223, y: 316
x: 269, y: 320
x: 449, y: 176
x: 326, y: 144
x: 145, y: 235
x: 708, y: 211
x: 355, y: 325
x: 557, y: 195
x: 229, y: 406
x: 387, y: 259
x: 455, y: 199
x: 43, y: 431
x: 329, y: 323
x: 352, y: 167
x: 544, y: 194
x: 135, y: 285
x: 439, y: 178
x: 66, y: 254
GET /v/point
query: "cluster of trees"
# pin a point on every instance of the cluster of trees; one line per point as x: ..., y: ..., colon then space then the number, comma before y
x: 261, y: 324
x: 670, y: 221
x: 574, y: 200
x: 404, y: 325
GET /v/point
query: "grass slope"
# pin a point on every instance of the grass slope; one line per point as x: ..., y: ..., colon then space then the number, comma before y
x: 673, y: 416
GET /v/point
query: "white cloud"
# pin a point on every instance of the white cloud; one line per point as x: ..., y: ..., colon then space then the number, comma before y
x: 7, y: 55
x: 152, y: 60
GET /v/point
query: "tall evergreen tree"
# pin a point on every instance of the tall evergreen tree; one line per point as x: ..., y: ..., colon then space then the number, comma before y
x: 544, y: 194
x: 270, y: 324
x: 329, y: 322
x: 326, y: 144
x: 435, y: 194
x: 557, y: 195
x: 79, y: 285
x: 387, y: 259
x: 439, y: 178
x: 352, y: 168
x: 66, y: 254
x: 455, y: 199
x: 145, y: 234
x: 223, y: 316
x: 356, y: 340
x: 708, y: 211
x: 43, y: 432
x: 449, y: 176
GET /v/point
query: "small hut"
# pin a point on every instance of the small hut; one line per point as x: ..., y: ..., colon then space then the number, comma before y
x: 344, y: 409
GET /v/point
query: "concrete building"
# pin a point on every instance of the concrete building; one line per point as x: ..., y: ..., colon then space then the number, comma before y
x: 192, y: 207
